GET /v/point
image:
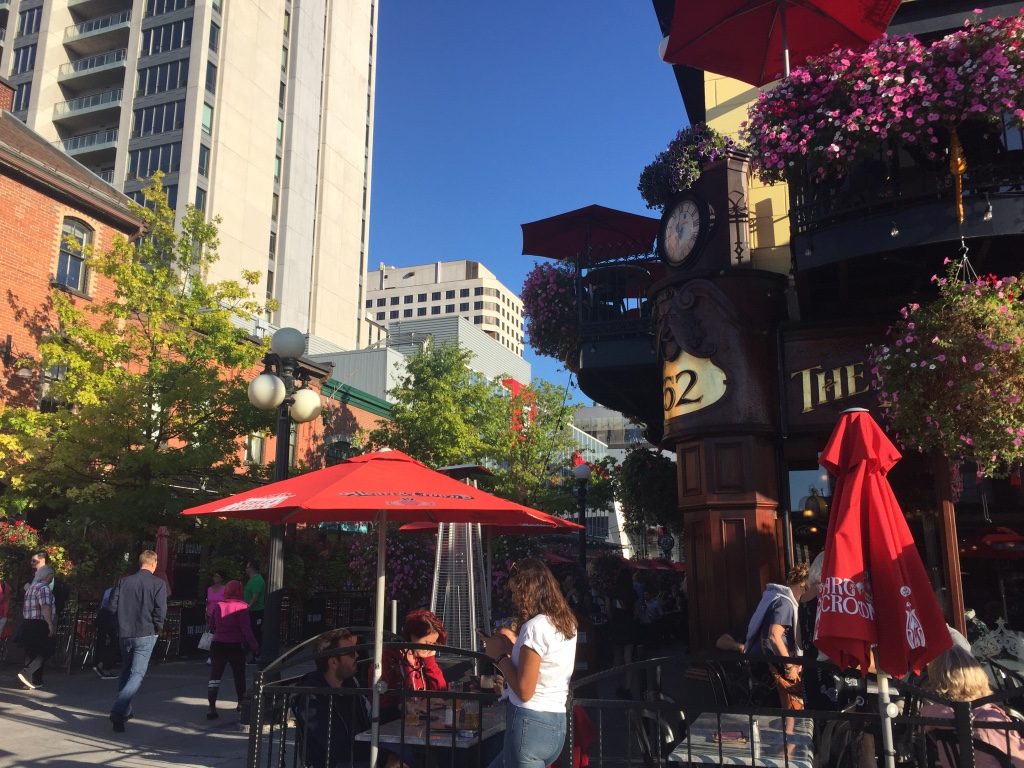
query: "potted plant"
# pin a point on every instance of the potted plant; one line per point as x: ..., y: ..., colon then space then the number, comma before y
x: 950, y: 376
x: 898, y: 91
x: 550, y: 310
x: 681, y: 164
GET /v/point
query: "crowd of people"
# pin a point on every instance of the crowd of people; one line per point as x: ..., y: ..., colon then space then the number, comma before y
x: 129, y: 621
x: 533, y: 661
x: 533, y: 657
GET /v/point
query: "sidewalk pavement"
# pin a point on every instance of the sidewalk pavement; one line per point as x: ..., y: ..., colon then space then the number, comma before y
x: 66, y: 723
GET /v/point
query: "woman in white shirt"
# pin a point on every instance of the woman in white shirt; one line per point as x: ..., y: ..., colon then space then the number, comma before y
x: 537, y: 664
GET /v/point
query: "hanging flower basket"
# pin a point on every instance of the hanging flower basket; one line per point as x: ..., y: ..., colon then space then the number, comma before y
x: 551, y: 312
x: 847, y: 105
x: 950, y: 376
x: 681, y: 164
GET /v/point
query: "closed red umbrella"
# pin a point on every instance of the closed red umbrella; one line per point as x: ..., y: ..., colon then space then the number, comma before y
x: 754, y: 40
x: 874, y: 588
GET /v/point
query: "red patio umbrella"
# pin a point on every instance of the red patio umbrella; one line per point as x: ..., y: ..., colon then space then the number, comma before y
x: 541, y: 523
x: 388, y: 486
x: 754, y: 40
x: 591, y: 234
x: 874, y: 587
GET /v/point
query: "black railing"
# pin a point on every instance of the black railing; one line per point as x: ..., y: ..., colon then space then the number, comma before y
x: 898, y: 176
x: 684, y: 709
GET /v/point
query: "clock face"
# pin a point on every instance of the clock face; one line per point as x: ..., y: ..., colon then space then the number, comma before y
x: 682, y: 230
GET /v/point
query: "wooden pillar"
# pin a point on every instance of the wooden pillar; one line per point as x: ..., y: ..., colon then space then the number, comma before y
x: 727, y: 498
x: 950, y: 543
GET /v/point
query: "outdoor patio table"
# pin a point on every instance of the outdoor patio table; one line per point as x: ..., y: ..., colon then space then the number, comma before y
x: 492, y: 723
x: 702, y: 748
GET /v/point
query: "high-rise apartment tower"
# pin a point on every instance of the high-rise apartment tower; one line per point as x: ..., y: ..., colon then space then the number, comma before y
x: 258, y: 111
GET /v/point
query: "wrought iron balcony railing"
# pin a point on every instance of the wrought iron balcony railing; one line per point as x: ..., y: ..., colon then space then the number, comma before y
x: 91, y: 63
x: 107, y: 98
x: 113, y: 21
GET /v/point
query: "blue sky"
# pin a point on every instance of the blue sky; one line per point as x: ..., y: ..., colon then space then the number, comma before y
x: 489, y: 115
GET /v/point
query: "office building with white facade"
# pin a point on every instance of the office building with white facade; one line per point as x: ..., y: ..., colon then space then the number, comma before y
x: 256, y: 111
x: 462, y: 288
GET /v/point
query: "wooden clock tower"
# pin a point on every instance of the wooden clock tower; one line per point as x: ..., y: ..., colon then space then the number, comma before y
x: 718, y: 337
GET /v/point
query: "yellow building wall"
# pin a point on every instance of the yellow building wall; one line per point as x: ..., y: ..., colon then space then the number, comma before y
x: 726, y: 101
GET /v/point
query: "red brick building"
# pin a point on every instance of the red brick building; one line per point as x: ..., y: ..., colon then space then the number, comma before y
x: 44, y: 197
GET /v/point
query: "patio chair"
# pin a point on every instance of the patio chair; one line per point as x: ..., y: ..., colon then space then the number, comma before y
x: 659, y: 730
x: 946, y: 748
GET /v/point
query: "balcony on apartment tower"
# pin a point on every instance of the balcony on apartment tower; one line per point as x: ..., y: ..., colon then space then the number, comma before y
x: 98, y: 34
x: 86, y: 111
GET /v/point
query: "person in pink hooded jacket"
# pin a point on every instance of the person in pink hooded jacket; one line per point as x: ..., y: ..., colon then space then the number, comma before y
x: 232, y: 634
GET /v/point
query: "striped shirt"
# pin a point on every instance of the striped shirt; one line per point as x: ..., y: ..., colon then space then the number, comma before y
x: 36, y: 597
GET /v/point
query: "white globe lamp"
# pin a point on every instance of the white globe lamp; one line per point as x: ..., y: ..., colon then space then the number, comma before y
x: 288, y: 343
x: 266, y: 391
x: 305, y: 406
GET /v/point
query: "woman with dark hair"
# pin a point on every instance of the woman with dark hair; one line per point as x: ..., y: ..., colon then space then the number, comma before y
x: 413, y: 669
x: 537, y: 664
x: 232, y: 634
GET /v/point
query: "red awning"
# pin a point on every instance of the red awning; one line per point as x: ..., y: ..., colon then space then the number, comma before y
x: 592, y: 234
x: 743, y: 39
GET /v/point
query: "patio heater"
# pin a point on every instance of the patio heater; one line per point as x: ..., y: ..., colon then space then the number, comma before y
x: 283, y: 385
x: 582, y: 475
x: 461, y: 595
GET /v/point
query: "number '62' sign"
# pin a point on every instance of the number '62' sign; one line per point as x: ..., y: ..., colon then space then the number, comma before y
x: 690, y: 384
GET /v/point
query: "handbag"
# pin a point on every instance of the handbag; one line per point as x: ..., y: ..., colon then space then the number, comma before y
x: 206, y: 641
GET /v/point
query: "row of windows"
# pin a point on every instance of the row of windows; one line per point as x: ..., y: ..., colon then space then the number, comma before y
x: 28, y: 21
x: 436, y: 296
x: 422, y: 311
x: 171, y: 190
x: 143, y: 163
x: 159, y: 7
x: 168, y: 76
x: 24, y: 59
x: 159, y: 118
x: 167, y: 37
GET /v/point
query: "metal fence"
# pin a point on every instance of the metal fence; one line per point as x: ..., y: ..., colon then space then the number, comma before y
x: 718, y: 709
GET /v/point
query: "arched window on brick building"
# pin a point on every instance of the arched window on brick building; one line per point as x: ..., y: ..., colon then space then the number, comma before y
x: 71, y: 270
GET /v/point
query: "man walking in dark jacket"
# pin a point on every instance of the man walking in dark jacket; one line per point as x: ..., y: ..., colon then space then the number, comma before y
x: 140, y: 604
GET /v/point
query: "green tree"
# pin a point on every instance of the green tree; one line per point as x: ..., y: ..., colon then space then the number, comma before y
x: 443, y: 413
x: 533, y: 450
x: 152, y: 394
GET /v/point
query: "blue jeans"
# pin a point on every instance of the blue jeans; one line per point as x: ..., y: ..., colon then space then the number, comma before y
x: 532, y: 739
x: 135, y: 653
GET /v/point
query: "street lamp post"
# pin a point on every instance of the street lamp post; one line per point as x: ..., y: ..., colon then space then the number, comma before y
x: 283, y: 385
x: 582, y: 474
